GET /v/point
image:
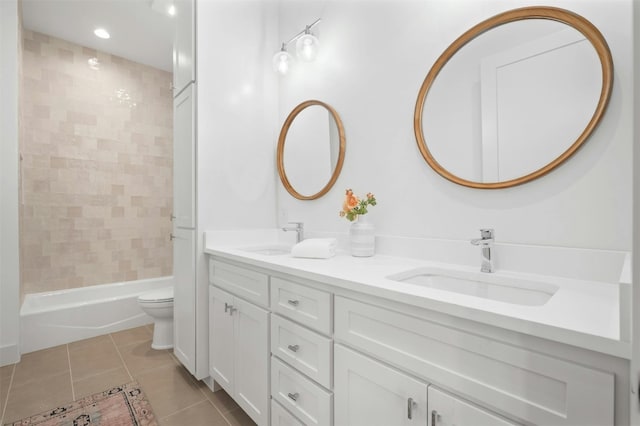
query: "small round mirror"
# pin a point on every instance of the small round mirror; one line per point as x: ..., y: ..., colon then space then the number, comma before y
x: 311, y: 150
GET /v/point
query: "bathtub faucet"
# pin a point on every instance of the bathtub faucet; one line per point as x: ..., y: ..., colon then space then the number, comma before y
x: 298, y: 227
x: 485, y: 242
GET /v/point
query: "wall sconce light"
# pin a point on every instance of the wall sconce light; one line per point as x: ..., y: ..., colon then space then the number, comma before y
x: 282, y: 60
x: 307, y: 46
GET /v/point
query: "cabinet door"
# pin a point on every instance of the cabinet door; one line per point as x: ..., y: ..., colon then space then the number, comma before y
x: 184, y: 160
x: 184, y: 288
x: 369, y: 393
x: 183, y: 45
x: 221, y: 338
x: 447, y: 410
x: 251, y: 351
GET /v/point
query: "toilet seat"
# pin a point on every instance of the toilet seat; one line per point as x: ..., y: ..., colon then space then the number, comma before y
x: 157, y: 296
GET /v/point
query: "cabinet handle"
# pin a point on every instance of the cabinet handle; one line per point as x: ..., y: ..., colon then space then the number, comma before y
x: 293, y: 348
x: 293, y: 302
x: 229, y: 308
x: 410, y: 408
x: 293, y: 396
x: 172, y: 237
x: 434, y: 417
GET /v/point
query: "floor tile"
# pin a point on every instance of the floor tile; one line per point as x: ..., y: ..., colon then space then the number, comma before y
x: 220, y: 399
x: 44, y: 380
x: 6, y: 371
x: 34, y: 398
x: 91, y: 341
x: 35, y: 366
x: 93, y: 358
x: 139, y: 357
x: 202, y: 414
x: 238, y: 417
x: 100, y: 382
x: 169, y: 389
x: 133, y: 335
x: 5, y: 381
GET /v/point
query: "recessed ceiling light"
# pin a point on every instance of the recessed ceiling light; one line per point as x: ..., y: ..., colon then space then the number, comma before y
x: 171, y: 10
x: 102, y: 33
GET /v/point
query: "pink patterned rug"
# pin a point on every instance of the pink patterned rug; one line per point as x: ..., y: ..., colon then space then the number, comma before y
x: 123, y: 405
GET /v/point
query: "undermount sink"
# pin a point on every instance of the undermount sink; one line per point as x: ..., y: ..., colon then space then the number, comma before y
x: 269, y: 250
x: 502, y: 288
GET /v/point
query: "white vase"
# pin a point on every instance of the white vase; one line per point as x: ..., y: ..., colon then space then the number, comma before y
x: 362, y: 237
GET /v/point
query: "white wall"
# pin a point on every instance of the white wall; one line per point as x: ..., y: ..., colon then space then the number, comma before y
x: 375, y: 56
x: 237, y: 114
x: 9, y: 258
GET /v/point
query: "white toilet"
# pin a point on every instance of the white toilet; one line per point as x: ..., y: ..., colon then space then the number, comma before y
x: 158, y: 304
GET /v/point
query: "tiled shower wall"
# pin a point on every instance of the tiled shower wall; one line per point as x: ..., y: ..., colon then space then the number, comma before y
x: 96, y: 168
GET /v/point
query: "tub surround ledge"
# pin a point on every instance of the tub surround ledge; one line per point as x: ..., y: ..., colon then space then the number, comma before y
x: 585, y: 313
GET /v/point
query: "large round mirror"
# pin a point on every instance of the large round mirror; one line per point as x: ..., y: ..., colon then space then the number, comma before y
x: 513, y: 97
x: 310, y: 150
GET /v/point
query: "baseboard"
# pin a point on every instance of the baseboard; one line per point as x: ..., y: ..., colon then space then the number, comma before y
x: 9, y: 354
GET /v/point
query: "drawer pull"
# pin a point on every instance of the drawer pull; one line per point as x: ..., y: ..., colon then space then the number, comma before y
x: 293, y: 348
x: 293, y: 396
x: 410, y: 404
x: 293, y: 302
x: 229, y: 308
x: 434, y: 417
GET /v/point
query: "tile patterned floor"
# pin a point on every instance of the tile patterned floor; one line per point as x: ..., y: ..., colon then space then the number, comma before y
x: 46, y: 378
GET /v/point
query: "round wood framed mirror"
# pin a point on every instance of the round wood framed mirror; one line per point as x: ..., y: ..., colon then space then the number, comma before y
x: 311, y: 149
x: 513, y: 97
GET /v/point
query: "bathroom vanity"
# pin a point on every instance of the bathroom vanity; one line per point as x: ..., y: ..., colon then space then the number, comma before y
x: 362, y: 341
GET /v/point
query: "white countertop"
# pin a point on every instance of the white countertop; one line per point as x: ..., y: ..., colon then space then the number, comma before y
x: 581, y: 313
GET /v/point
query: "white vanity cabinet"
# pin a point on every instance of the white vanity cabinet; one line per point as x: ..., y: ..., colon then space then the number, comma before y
x: 302, y: 351
x: 333, y: 356
x: 447, y: 410
x: 524, y: 383
x: 369, y: 393
x: 239, y: 350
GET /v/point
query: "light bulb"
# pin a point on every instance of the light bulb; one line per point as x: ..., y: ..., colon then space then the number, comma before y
x: 282, y: 61
x: 307, y: 47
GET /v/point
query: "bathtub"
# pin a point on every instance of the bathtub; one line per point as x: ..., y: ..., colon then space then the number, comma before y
x: 57, y: 317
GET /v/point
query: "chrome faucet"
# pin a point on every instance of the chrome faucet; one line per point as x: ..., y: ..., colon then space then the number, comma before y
x: 485, y: 242
x: 299, y: 228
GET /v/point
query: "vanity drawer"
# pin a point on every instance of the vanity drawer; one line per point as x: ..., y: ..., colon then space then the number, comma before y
x: 250, y: 285
x: 307, y: 400
x: 528, y: 385
x: 305, y: 350
x: 303, y: 304
x: 281, y: 417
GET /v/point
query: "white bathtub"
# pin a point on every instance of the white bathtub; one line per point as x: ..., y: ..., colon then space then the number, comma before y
x: 57, y: 317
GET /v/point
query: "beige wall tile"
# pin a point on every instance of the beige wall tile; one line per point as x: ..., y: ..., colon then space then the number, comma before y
x: 97, y: 167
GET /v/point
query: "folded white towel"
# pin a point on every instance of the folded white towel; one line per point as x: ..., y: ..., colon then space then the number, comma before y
x: 317, y: 248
